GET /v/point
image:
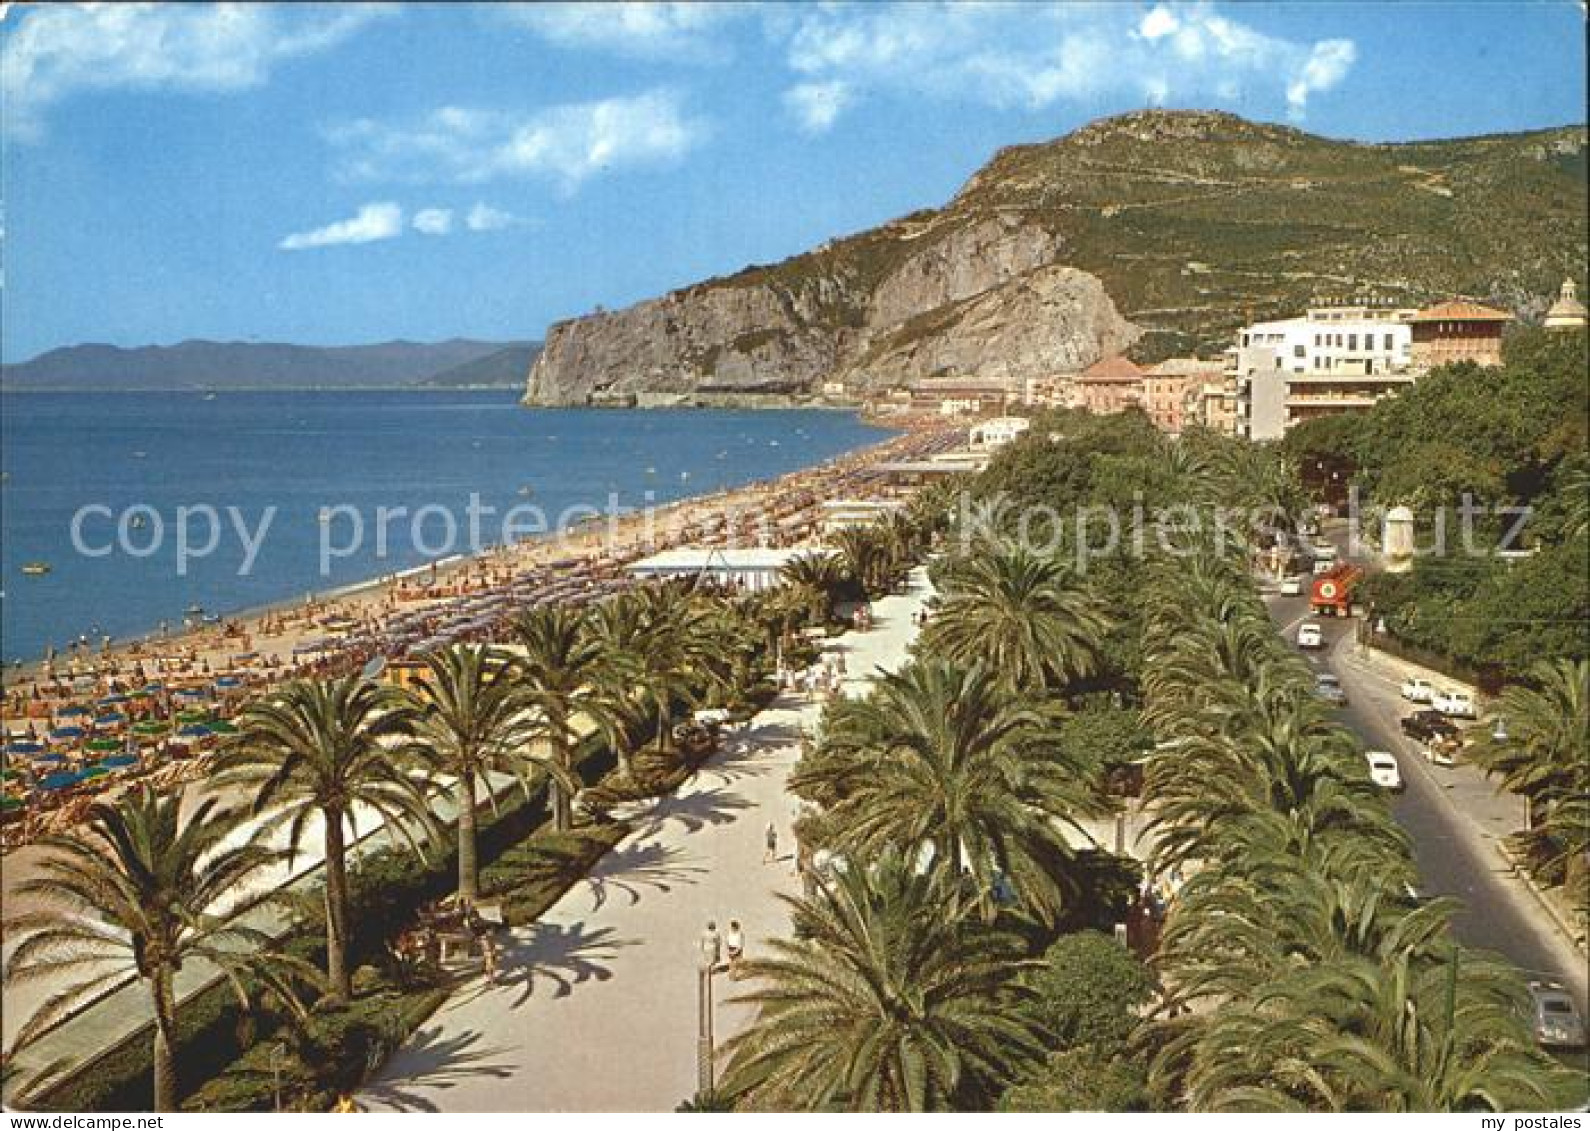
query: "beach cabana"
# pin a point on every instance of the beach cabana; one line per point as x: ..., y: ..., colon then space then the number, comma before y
x: 24, y: 748
x: 67, y: 734
x: 74, y: 711
x: 103, y: 745
x: 60, y: 781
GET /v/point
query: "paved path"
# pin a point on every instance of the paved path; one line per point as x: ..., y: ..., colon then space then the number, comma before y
x: 597, y: 1009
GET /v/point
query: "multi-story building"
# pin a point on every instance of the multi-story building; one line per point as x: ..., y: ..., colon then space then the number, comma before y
x: 1333, y: 359
x: 959, y: 396
x: 1108, y: 386
x: 1456, y: 331
x: 1173, y: 388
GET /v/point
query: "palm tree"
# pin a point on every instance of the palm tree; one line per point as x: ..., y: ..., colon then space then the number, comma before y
x: 819, y: 577
x: 651, y: 643
x: 324, y: 748
x: 1024, y: 616
x: 565, y: 670
x: 945, y: 759
x: 140, y: 889
x: 1542, y: 755
x: 866, y: 556
x: 472, y: 718
x: 893, y: 996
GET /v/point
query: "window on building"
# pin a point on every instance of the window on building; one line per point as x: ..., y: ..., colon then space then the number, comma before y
x: 1388, y: 343
x: 1352, y: 341
x: 1300, y: 350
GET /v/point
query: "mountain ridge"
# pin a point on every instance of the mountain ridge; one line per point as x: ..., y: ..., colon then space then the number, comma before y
x: 1158, y: 231
x: 210, y: 364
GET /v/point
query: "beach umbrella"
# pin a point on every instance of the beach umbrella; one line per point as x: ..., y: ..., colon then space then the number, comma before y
x: 59, y: 781
x: 112, y: 700
x: 151, y: 688
x: 119, y: 761
x: 9, y: 803
x: 220, y: 726
x: 191, y: 693
x: 50, y: 759
x: 66, y: 734
x: 93, y: 772
x: 193, y: 716
x: 151, y: 727
x: 73, y: 712
x: 101, y: 745
x: 195, y: 730
x: 24, y: 748
x: 113, y: 719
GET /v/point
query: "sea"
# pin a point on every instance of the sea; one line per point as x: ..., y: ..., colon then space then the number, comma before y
x: 145, y: 505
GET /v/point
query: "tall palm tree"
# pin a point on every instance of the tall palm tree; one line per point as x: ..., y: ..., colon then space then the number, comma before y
x: 322, y: 748
x: 1547, y: 729
x: 866, y: 556
x: 565, y: 671
x: 139, y: 889
x: 945, y: 759
x: 893, y: 996
x: 819, y: 578
x: 1027, y: 617
x: 472, y: 718
x: 652, y: 647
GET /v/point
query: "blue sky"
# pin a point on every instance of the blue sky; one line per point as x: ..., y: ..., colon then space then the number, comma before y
x: 351, y: 173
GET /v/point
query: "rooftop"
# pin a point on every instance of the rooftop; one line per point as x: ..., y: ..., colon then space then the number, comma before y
x: 1459, y: 310
x: 1115, y: 369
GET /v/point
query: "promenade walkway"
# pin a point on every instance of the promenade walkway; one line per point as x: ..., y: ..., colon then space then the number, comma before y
x: 597, y: 1010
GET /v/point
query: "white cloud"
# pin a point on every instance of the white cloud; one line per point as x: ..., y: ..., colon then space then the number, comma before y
x: 382, y: 220
x: 1327, y: 65
x: 433, y: 221
x: 678, y: 32
x: 1028, y: 56
x: 484, y: 218
x: 567, y: 144
x: 817, y: 105
x: 1159, y: 22
x: 55, y: 51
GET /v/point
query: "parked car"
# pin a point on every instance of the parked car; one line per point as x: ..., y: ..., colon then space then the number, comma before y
x: 1329, y: 688
x: 1455, y: 704
x: 1383, y: 770
x: 1292, y: 586
x: 1557, y: 1023
x: 1428, y: 725
x: 1322, y: 549
x: 1416, y: 690
x: 1309, y: 635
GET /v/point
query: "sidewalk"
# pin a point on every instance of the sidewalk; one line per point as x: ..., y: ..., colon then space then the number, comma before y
x: 597, y: 1010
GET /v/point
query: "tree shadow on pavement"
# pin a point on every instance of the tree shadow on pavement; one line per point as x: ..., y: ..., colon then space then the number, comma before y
x: 696, y: 811
x: 431, y: 1063
x: 555, y: 958
x: 635, y: 867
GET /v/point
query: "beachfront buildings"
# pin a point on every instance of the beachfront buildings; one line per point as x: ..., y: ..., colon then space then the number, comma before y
x: 751, y: 569
x: 991, y: 435
x: 959, y: 396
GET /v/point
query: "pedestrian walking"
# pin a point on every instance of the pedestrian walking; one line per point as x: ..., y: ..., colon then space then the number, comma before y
x: 735, y: 942
x: 711, y: 946
x: 771, y: 836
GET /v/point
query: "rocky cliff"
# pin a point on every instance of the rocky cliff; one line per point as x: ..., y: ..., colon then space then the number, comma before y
x: 1157, y: 232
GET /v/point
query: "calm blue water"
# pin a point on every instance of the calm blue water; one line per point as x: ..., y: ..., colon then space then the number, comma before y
x: 301, y: 452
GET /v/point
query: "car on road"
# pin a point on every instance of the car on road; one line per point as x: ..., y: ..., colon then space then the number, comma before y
x: 1557, y: 1023
x: 1455, y: 704
x: 1329, y: 688
x: 1416, y: 690
x: 1428, y: 725
x: 1383, y: 770
x: 1292, y: 587
x: 1309, y: 635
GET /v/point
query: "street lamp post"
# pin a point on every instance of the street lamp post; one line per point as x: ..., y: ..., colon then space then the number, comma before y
x: 704, y: 1043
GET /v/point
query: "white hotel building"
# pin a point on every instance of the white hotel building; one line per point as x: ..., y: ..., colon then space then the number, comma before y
x: 1333, y: 359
